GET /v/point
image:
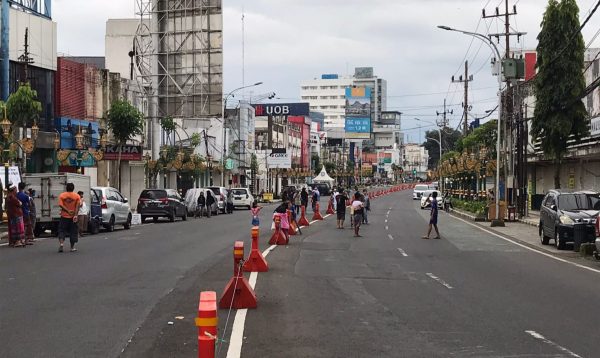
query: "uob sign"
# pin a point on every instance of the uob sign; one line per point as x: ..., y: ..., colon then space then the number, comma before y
x: 281, y: 109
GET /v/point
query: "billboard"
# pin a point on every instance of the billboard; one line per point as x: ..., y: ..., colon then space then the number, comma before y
x: 128, y: 152
x: 281, y: 109
x: 279, y: 158
x: 358, y: 113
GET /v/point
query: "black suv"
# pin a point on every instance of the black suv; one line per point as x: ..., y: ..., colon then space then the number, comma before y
x: 157, y: 203
x: 323, y: 188
x: 562, y: 213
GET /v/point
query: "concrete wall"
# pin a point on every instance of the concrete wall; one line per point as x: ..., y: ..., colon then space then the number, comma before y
x: 585, y: 175
x: 42, y: 38
x: 118, y: 42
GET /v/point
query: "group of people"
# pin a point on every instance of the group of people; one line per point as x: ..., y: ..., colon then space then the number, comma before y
x: 204, y: 205
x: 20, y: 211
x: 360, y: 205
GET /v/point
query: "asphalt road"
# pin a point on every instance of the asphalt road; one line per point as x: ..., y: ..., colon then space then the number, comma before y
x: 327, y: 294
x: 92, y: 302
x: 392, y: 294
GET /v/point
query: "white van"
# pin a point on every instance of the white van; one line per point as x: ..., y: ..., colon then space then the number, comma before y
x: 191, y: 200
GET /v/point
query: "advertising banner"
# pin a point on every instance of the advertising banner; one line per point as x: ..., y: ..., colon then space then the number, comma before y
x: 358, y: 113
x: 279, y: 160
x: 128, y: 152
x: 14, y: 176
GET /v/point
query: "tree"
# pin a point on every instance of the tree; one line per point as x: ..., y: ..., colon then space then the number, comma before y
x: 484, y: 136
x: 450, y: 137
x: 125, y: 122
x: 23, y: 107
x: 559, y: 85
x: 316, y: 163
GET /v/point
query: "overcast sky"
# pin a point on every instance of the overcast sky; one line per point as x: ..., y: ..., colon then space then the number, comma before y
x: 291, y: 40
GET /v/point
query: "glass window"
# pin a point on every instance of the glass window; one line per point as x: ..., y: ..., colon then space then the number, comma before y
x: 112, y: 195
x: 153, y: 194
x: 239, y: 191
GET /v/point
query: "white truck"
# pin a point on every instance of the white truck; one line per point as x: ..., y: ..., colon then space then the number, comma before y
x: 48, y: 186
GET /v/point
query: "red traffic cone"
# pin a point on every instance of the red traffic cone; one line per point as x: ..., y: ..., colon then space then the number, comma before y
x: 238, y: 293
x: 317, y: 215
x: 256, y: 261
x: 330, y: 207
x: 278, y: 237
x: 303, y: 221
x: 293, y: 228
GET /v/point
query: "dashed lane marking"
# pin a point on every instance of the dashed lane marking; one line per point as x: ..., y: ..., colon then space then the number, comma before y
x: 538, y: 336
x: 386, y: 220
x: 386, y: 228
x: 402, y: 252
x: 439, y: 280
x: 390, y: 237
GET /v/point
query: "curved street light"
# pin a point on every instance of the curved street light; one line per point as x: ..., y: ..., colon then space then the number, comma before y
x: 498, y: 221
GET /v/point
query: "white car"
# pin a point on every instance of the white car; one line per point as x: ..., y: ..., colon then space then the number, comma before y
x: 242, y: 197
x: 115, y: 208
x: 418, y: 190
x: 426, y: 194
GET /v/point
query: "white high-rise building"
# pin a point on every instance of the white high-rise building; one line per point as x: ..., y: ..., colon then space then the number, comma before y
x: 328, y: 96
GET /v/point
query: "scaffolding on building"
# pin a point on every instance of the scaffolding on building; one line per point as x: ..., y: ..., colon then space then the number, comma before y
x: 178, y: 50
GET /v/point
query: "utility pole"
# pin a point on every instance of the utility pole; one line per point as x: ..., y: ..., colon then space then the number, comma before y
x: 24, y: 59
x: 508, y: 125
x: 466, y: 109
x: 444, y: 120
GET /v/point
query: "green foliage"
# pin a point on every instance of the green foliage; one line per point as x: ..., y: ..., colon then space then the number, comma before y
x: 125, y: 121
x: 451, y: 154
x: 316, y: 163
x: 195, y: 139
x: 254, y: 163
x: 168, y: 124
x: 560, y: 83
x: 484, y: 136
x: 475, y: 207
x: 450, y: 138
x: 329, y: 167
x: 22, y: 106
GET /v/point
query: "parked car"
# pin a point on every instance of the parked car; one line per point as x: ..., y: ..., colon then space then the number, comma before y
x: 597, y: 252
x: 115, y: 208
x: 95, y: 222
x: 323, y: 188
x: 418, y: 191
x: 221, y: 194
x: 157, y: 203
x: 561, y: 211
x: 242, y: 198
x: 191, y: 200
x: 426, y: 204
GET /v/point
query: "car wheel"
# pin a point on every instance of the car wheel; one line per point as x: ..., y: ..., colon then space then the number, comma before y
x: 185, y: 215
x: 155, y: 219
x: 37, y: 232
x: 172, y: 216
x: 249, y: 207
x: 543, y: 238
x: 111, y: 224
x: 143, y: 219
x: 127, y: 224
x: 95, y: 228
x: 560, y: 244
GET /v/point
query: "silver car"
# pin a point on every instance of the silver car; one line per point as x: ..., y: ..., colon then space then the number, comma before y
x: 115, y: 208
x: 221, y: 196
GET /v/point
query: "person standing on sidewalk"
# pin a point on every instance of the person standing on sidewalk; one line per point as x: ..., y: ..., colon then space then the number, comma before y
x: 304, y: 198
x: 68, y: 202
x: 82, y: 214
x: 210, y: 200
x: 433, y: 219
x: 367, y: 202
x: 25, y: 200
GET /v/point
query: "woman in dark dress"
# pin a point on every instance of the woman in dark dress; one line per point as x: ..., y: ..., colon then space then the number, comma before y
x: 341, y: 199
x: 16, y: 225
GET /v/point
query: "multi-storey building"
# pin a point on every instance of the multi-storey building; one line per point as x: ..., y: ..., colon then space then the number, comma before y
x: 416, y: 158
x: 328, y: 96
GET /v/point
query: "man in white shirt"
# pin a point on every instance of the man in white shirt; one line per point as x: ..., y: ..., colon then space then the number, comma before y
x: 82, y: 215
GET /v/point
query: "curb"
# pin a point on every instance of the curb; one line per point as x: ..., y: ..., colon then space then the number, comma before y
x: 528, y: 222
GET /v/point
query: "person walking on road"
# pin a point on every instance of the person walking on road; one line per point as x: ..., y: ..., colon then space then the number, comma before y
x: 82, y: 215
x: 25, y: 200
x: 200, y: 204
x: 340, y: 211
x: 315, y: 198
x: 297, y: 201
x: 255, y: 211
x: 304, y: 198
x: 433, y: 219
x: 16, y: 226
x: 367, y: 202
x: 68, y: 202
x: 210, y: 200
x: 359, y: 209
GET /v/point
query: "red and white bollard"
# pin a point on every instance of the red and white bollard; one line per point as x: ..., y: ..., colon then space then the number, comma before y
x: 317, y: 215
x: 303, y: 221
x: 238, y: 293
x: 278, y: 237
x: 256, y: 261
x: 207, y: 323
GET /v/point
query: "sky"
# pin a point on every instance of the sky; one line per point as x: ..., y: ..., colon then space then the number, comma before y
x: 287, y: 41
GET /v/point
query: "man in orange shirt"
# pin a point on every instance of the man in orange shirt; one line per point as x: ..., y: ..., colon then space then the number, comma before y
x: 69, y: 207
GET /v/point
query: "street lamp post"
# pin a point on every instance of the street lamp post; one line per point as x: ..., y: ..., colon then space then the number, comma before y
x: 223, y: 124
x: 498, y: 221
x: 440, y: 144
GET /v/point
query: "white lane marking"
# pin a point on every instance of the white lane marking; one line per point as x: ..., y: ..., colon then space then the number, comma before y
x: 237, y: 331
x: 390, y: 208
x: 439, y: 280
x: 388, y: 213
x: 402, y: 252
x: 527, y: 247
x: 386, y: 227
x: 536, y: 335
x: 386, y: 220
x: 390, y: 237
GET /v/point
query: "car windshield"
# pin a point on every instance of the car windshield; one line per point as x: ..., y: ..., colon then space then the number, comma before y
x: 421, y: 187
x: 571, y: 202
x: 239, y: 192
x: 153, y: 194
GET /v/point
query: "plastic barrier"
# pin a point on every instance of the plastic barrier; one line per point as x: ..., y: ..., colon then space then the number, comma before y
x: 317, y: 215
x: 330, y: 207
x: 292, y: 230
x: 207, y: 323
x: 303, y: 221
x: 278, y: 237
x: 238, y: 293
x: 256, y: 261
